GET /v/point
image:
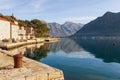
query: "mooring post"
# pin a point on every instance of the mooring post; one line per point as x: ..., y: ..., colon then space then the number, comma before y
x: 18, y: 60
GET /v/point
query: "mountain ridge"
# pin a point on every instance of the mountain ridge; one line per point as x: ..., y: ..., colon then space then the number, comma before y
x: 64, y: 30
x: 106, y: 25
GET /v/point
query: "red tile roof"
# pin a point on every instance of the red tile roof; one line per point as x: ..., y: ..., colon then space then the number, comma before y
x: 12, y: 23
x: 3, y: 19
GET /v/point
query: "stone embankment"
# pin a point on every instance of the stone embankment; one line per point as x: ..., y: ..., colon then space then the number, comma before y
x: 31, y: 70
x: 33, y: 41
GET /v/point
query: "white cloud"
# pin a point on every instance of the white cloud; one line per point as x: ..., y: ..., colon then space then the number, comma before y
x: 22, y: 6
x: 83, y: 20
x: 6, y: 4
x: 79, y: 19
x: 37, y: 4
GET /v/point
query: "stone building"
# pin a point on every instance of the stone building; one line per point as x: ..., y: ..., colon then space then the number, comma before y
x: 22, y: 33
x: 4, y: 29
x: 12, y: 31
x: 30, y: 33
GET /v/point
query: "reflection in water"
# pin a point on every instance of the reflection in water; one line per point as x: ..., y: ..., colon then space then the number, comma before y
x: 27, y: 49
x: 39, y: 53
x: 69, y: 48
x: 65, y: 44
x: 34, y: 51
x: 79, y: 58
x: 102, y: 48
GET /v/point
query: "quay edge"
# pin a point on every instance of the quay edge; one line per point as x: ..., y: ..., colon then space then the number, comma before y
x: 8, y: 46
x: 31, y: 70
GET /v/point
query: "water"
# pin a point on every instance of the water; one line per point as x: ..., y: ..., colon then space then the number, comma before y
x: 82, y: 59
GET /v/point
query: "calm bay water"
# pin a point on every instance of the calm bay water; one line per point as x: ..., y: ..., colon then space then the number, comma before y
x: 82, y: 59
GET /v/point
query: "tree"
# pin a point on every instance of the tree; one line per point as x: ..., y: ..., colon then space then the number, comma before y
x: 41, y: 28
x: 22, y: 23
x: 1, y: 15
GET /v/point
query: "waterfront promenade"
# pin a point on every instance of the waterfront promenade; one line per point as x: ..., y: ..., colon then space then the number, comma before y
x: 33, y: 41
x: 31, y: 70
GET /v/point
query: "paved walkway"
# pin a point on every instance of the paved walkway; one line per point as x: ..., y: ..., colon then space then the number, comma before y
x: 31, y: 70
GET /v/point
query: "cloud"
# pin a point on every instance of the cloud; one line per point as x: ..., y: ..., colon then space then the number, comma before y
x: 83, y: 20
x: 59, y: 10
x: 36, y: 4
x: 6, y: 4
x: 22, y: 6
x: 79, y: 19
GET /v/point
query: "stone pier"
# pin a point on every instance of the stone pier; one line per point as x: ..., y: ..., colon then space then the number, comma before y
x: 8, y: 45
x: 31, y: 69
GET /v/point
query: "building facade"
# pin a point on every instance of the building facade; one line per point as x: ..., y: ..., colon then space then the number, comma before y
x: 4, y: 29
x: 22, y: 33
x: 12, y: 31
x: 30, y: 33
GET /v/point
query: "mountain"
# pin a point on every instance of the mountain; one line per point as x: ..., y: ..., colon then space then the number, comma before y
x: 107, y: 25
x: 66, y: 29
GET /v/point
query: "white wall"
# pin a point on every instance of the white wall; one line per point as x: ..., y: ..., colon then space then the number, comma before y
x: 4, y: 30
x: 15, y: 32
x: 22, y: 31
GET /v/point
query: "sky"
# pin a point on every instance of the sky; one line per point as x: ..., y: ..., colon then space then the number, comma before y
x: 60, y: 11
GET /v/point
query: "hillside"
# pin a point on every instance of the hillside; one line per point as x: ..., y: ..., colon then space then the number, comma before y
x: 107, y: 25
x: 66, y: 29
